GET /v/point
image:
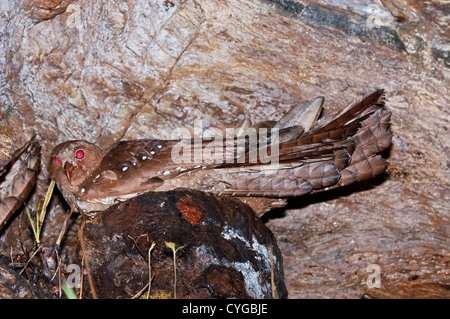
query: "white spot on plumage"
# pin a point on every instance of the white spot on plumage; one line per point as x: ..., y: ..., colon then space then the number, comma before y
x: 124, y: 169
x: 166, y: 173
x: 133, y: 161
x: 144, y: 157
x: 159, y: 146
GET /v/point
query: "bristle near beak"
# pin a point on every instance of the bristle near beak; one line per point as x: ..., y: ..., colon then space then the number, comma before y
x: 69, y: 169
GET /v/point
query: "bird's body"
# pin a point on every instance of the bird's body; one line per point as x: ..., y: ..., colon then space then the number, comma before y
x: 19, y: 180
x: 308, y: 156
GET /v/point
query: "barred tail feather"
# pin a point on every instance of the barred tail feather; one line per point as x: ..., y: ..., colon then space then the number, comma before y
x: 330, y: 155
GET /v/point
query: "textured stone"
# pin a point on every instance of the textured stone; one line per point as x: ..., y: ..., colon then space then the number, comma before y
x: 227, y: 251
x: 15, y: 286
x: 110, y: 70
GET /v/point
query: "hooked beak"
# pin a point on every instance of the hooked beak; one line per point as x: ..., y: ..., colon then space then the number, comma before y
x: 69, y: 168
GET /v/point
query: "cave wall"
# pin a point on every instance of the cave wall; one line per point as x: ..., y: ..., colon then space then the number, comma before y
x: 110, y: 70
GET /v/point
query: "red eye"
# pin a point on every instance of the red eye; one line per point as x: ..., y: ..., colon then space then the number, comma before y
x: 57, y: 161
x: 79, y: 154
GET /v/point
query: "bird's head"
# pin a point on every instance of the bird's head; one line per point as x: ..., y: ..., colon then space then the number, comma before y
x: 73, y: 161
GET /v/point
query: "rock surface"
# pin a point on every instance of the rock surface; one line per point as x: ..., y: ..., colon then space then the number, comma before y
x: 110, y: 70
x: 225, y: 250
x: 13, y: 285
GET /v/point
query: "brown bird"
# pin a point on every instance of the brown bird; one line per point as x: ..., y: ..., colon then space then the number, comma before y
x: 299, y: 155
x: 19, y: 180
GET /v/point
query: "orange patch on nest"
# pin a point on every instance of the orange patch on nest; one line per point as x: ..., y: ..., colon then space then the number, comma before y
x: 190, y: 211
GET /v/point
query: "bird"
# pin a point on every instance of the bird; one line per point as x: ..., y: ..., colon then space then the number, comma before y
x: 19, y: 180
x: 304, y: 152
